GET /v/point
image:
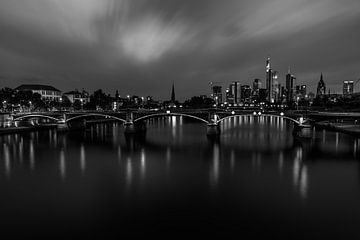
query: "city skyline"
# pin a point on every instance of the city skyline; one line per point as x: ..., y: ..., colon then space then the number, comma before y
x: 142, y: 48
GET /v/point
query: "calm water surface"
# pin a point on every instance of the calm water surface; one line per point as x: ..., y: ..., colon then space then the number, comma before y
x: 256, y: 180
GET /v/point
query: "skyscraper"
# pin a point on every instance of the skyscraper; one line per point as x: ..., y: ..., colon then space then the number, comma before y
x: 217, y: 94
x: 272, y: 85
x: 173, y: 93
x: 245, y: 93
x: 290, y: 85
x: 235, y: 92
x: 348, y: 87
x: 321, y: 88
x: 269, y: 83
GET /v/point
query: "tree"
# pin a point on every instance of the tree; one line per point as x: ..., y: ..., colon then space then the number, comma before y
x: 77, y: 105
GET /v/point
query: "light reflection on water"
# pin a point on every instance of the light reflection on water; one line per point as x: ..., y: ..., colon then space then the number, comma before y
x: 175, y: 160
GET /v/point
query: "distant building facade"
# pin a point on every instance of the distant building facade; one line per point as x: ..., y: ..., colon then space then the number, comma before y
x: 47, y: 93
x: 290, y: 87
x: 75, y: 95
x: 216, y: 94
x: 256, y: 88
x: 245, y: 93
x: 272, y: 84
x: 348, y: 87
x: 235, y: 90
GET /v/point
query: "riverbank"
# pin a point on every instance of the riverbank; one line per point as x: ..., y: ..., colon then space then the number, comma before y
x: 352, y: 129
x: 14, y: 130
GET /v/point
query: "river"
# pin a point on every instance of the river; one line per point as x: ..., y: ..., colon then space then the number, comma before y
x: 256, y: 180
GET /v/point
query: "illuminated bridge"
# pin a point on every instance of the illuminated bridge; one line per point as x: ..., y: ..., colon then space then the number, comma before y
x: 134, y: 119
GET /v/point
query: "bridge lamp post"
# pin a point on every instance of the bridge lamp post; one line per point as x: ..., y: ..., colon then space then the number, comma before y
x: 281, y: 114
x: 259, y: 113
x: 233, y: 112
x: 301, y: 120
x: 167, y: 111
x: 254, y: 113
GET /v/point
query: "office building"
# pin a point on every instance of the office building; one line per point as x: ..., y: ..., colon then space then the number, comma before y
x: 216, y: 94
x: 290, y: 87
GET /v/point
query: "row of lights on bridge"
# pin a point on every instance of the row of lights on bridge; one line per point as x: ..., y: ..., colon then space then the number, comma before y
x: 233, y: 113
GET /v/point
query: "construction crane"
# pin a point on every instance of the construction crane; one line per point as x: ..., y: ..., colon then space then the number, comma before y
x: 212, y: 83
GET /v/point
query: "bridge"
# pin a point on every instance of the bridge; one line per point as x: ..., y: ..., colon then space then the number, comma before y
x: 134, y: 119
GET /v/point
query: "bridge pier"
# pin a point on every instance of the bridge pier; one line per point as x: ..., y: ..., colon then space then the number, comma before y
x: 303, y: 131
x: 213, y: 129
x: 134, y: 128
x: 62, y: 126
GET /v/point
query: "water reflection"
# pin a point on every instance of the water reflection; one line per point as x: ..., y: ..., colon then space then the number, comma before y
x: 62, y: 165
x: 264, y: 144
x: 82, y: 159
x: 129, y: 173
x: 142, y: 164
x: 215, y: 168
x: 32, y: 154
x: 300, y: 174
x: 7, y: 161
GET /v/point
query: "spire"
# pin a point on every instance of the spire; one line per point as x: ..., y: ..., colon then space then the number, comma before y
x: 173, y: 93
x: 321, y: 77
x: 289, y: 70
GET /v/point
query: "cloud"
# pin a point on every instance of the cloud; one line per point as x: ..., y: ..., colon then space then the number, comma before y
x: 138, y: 46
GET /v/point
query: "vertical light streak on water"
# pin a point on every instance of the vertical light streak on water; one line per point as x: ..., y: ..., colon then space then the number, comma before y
x: 55, y: 139
x: 21, y: 150
x: 355, y: 146
x: 114, y: 134
x: 215, y: 170
x: 119, y: 154
x: 82, y: 159
x: 62, y: 165
x: 92, y: 133
x: 7, y: 161
x: 32, y: 155
x: 129, y: 172
x: 324, y: 137
x: 181, y: 129
x: 337, y: 141
x: 300, y: 174
x: 296, y: 168
x: 304, y: 182
x: 232, y: 161
x: 50, y: 137
x: 281, y: 162
x: 142, y: 165
x: 168, y: 159
x: 173, y: 127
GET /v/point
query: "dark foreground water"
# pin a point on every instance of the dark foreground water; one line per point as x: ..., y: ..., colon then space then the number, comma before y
x: 256, y: 181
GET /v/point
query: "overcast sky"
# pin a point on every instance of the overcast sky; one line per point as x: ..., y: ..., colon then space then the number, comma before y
x: 143, y: 46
